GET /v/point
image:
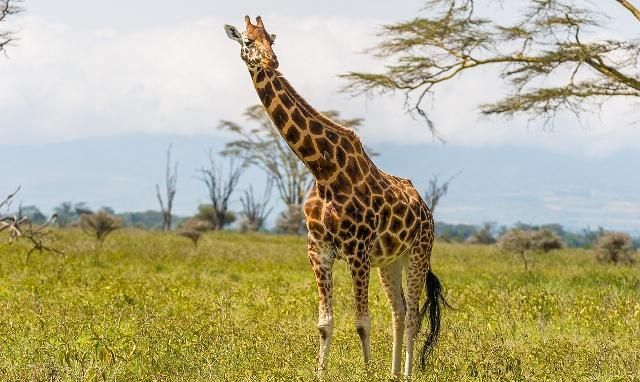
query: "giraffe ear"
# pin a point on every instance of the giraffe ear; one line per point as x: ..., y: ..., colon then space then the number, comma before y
x: 233, y: 33
x: 272, y: 37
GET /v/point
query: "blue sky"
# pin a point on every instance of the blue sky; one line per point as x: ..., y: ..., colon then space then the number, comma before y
x: 94, y: 92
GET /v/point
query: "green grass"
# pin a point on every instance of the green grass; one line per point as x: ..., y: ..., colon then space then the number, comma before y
x: 149, y: 307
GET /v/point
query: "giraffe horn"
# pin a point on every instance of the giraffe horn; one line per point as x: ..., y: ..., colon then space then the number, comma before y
x: 259, y: 22
x: 247, y: 20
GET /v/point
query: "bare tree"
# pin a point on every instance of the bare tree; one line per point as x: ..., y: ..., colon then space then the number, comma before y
x: 171, y: 179
x: 548, y: 56
x: 436, y: 191
x: 11, y: 223
x: 255, y: 211
x: 7, y: 8
x: 39, y: 237
x: 262, y: 145
x: 220, y: 186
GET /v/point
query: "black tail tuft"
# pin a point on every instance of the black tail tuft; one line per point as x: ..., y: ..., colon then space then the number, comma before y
x: 435, y: 300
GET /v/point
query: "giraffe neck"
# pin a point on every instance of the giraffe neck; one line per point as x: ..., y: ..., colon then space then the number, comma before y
x: 332, y: 153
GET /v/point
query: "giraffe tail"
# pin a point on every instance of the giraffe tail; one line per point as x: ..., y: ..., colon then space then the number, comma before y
x: 433, y: 305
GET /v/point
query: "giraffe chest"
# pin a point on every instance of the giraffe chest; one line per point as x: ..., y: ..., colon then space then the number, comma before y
x: 346, y: 223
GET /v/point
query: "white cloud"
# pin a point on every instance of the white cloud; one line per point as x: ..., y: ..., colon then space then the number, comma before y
x: 63, y: 84
x: 608, y: 210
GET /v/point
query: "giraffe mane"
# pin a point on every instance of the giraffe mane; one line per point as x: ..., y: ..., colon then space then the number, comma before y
x: 329, y: 123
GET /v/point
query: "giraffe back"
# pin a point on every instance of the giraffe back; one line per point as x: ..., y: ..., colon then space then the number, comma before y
x: 382, y: 216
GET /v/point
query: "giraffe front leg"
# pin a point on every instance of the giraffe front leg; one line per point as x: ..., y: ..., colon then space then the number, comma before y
x: 360, y: 270
x: 322, y: 269
x: 391, y: 280
x: 416, y: 276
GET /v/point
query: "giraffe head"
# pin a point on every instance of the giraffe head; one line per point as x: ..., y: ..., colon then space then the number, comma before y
x: 255, y: 44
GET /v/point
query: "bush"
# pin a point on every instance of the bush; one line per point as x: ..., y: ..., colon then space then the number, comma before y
x: 520, y: 241
x: 616, y: 248
x: 207, y: 213
x: 545, y: 240
x: 291, y: 221
x: 482, y: 235
x: 248, y: 225
x: 99, y: 225
x: 193, y: 228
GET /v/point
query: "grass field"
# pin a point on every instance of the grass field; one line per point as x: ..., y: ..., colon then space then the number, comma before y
x: 149, y: 307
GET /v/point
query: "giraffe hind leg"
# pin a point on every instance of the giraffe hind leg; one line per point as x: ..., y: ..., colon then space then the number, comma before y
x: 432, y: 308
x: 391, y: 280
x: 416, y: 276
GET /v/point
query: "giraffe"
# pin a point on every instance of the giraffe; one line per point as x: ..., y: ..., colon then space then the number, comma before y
x: 354, y: 212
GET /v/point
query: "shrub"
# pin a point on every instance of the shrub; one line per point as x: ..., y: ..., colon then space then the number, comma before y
x: 249, y: 225
x: 482, y: 235
x: 521, y: 242
x: 99, y: 225
x: 291, y: 221
x: 545, y: 240
x: 616, y: 248
x: 207, y: 213
x: 193, y: 228
x: 516, y: 241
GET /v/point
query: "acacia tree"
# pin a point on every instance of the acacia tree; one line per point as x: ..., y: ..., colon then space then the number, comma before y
x: 260, y: 144
x: 616, y: 248
x: 171, y: 179
x: 522, y: 241
x: 8, y: 8
x: 220, y: 186
x: 547, y: 55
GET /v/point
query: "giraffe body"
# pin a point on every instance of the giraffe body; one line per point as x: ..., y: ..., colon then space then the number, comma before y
x: 354, y: 212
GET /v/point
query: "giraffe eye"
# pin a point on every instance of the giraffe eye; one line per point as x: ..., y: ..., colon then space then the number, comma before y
x: 248, y: 43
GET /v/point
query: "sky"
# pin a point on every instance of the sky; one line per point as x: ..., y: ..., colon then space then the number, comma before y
x: 93, y: 93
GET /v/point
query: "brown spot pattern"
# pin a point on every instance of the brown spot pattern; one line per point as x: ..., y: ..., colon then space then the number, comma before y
x: 354, y: 211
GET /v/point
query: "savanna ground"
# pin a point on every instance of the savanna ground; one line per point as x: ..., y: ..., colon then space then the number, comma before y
x: 150, y: 307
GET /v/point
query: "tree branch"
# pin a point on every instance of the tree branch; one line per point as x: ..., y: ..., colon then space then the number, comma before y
x: 631, y: 8
x: 533, y: 55
x: 7, y: 8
